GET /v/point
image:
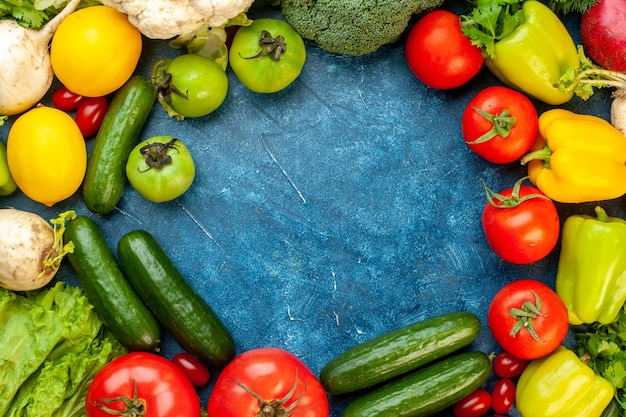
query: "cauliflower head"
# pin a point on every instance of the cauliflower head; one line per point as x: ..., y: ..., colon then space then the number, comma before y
x: 166, y: 19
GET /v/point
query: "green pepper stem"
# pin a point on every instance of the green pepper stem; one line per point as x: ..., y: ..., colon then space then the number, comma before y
x: 601, y: 214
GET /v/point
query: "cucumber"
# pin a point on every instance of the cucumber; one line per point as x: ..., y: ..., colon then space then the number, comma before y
x: 106, y: 288
x: 105, y: 178
x: 399, y: 351
x: 175, y: 303
x: 425, y: 391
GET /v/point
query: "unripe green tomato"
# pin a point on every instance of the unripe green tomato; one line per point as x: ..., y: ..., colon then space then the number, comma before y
x: 201, y: 81
x: 273, y: 67
x: 160, y: 168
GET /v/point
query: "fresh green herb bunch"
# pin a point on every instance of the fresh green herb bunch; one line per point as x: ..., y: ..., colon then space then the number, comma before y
x: 603, y: 347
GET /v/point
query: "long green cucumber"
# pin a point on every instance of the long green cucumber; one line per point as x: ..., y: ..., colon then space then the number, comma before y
x: 105, y: 178
x: 426, y: 391
x: 399, y: 351
x: 175, y: 303
x: 111, y: 294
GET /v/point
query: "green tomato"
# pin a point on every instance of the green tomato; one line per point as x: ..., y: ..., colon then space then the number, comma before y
x: 190, y: 85
x: 160, y: 168
x: 267, y: 55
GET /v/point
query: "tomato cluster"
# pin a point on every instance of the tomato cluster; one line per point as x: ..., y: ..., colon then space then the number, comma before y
x: 502, y: 396
x: 89, y: 111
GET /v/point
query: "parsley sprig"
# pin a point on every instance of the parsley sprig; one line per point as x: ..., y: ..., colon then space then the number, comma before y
x: 603, y: 347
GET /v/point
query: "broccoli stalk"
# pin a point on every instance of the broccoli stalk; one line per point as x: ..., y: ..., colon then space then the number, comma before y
x: 353, y: 27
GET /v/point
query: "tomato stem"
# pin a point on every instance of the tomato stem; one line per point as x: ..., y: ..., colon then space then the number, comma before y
x: 133, y: 407
x: 514, y: 200
x: 524, y: 317
x: 274, y: 48
x: 501, y: 125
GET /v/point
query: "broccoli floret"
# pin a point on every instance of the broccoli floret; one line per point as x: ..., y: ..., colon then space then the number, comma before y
x: 353, y: 27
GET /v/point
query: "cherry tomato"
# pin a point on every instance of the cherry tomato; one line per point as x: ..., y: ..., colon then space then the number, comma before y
x: 267, y: 56
x: 90, y: 115
x: 195, y: 370
x: 503, y: 396
x: 150, y: 380
x: 160, y: 168
x: 190, y: 85
x: 509, y: 366
x: 537, y: 329
x: 269, y: 378
x: 500, y: 124
x: 521, y: 224
x: 475, y: 404
x: 64, y: 99
x: 439, y: 54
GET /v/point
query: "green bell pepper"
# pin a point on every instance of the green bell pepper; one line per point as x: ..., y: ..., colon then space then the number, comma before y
x: 530, y: 52
x: 560, y: 385
x: 591, y: 272
x: 7, y: 185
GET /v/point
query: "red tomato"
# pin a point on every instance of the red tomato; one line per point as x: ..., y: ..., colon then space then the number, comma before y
x: 195, y: 370
x: 503, y: 396
x: 162, y: 389
x: 64, y: 99
x: 500, y: 124
x: 267, y: 377
x: 538, y: 329
x: 90, y: 115
x: 506, y: 365
x: 519, y: 228
x: 439, y: 54
x: 474, y: 405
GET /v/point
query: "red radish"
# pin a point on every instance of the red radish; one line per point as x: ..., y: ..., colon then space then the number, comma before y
x: 603, y: 32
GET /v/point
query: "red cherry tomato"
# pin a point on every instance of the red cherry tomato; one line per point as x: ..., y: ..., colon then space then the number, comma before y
x: 475, y: 404
x: 527, y: 318
x: 64, y: 99
x: 195, y: 370
x: 506, y: 365
x: 90, y: 115
x: 503, y: 396
x: 438, y: 52
x: 500, y: 124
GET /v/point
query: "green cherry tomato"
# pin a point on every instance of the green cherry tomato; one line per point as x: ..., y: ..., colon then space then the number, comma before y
x: 190, y: 85
x: 160, y: 168
x: 267, y: 55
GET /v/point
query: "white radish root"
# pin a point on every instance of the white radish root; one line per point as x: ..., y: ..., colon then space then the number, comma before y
x: 618, y: 110
x: 31, y: 249
x: 25, y: 69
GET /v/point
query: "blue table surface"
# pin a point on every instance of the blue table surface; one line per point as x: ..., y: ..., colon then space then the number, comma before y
x: 333, y: 211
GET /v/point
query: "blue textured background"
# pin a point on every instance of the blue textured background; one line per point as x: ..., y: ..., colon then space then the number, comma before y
x: 336, y: 210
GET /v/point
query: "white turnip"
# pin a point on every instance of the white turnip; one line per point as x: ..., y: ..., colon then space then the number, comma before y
x: 25, y: 70
x: 31, y: 249
x: 618, y: 110
x: 603, y: 32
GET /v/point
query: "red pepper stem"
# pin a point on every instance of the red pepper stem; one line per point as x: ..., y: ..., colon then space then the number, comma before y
x: 542, y: 154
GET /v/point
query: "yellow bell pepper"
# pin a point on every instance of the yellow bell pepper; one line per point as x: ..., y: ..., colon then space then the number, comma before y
x: 577, y: 158
x: 561, y: 385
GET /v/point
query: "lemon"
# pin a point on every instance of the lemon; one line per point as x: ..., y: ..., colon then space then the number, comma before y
x: 47, y: 155
x: 95, y: 50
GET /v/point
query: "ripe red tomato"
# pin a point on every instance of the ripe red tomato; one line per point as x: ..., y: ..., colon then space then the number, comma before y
x: 475, y: 404
x: 500, y: 124
x: 162, y: 389
x: 64, y: 99
x: 90, y: 114
x: 503, y: 396
x: 519, y: 228
x: 195, y: 370
x: 508, y: 366
x: 537, y: 329
x: 267, y: 377
x: 439, y: 54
